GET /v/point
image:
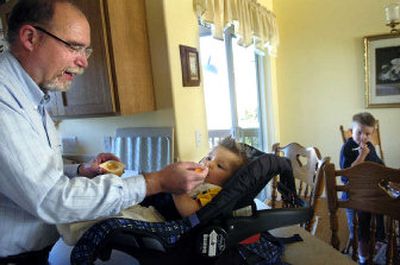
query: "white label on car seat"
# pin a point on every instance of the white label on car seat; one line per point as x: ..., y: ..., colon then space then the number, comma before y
x: 205, y: 243
x: 212, y: 244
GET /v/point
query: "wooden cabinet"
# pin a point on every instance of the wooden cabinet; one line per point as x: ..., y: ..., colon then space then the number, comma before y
x: 118, y: 80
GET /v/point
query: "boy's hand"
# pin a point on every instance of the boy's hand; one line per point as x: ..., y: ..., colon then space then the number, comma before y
x: 364, y: 150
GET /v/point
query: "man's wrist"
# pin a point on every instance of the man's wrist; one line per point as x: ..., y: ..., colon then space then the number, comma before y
x: 153, y: 184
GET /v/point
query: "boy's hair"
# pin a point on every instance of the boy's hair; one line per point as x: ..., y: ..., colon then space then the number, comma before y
x: 364, y: 118
x: 232, y: 145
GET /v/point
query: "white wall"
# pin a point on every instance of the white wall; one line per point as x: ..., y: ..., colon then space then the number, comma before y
x: 320, y: 72
x: 189, y: 108
x: 91, y: 132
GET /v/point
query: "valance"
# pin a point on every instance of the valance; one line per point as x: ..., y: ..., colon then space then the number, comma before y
x: 253, y: 23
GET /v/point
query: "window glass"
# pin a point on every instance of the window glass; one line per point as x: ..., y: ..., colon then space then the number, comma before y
x: 216, y: 88
x: 231, y: 89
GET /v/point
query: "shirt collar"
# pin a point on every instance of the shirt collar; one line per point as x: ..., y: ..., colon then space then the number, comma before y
x: 31, y: 89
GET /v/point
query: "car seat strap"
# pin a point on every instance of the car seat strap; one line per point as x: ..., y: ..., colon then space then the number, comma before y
x: 194, y: 220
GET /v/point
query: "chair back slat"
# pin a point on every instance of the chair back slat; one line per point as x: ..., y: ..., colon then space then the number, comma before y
x: 390, y: 254
x: 372, y: 239
x: 367, y: 194
x: 300, y: 189
x: 355, y: 239
x: 306, y: 164
x: 306, y: 193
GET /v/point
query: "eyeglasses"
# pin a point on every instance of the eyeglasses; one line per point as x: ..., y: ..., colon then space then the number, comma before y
x: 86, y: 51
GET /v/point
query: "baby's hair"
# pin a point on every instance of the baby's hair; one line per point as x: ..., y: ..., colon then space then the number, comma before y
x: 364, y: 118
x: 232, y: 145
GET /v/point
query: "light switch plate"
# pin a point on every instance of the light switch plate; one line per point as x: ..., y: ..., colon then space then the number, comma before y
x: 197, y: 138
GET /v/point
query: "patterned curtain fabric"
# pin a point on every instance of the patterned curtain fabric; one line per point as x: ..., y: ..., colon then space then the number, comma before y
x: 253, y: 23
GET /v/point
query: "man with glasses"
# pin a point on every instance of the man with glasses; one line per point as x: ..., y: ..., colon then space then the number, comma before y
x: 49, y: 45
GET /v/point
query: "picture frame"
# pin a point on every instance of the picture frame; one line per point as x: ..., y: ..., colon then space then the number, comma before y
x: 190, y: 66
x: 3, y: 41
x: 382, y: 71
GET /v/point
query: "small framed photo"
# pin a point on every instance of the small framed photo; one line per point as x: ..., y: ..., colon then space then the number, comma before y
x: 3, y: 42
x: 382, y: 71
x: 190, y: 66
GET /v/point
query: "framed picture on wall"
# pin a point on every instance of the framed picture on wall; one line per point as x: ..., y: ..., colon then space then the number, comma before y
x: 382, y: 71
x: 190, y: 66
x: 3, y: 42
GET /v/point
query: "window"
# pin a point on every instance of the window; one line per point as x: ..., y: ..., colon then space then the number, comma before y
x: 231, y: 89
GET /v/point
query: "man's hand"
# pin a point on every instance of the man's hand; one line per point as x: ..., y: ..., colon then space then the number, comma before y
x: 177, y: 178
x: 92, y: 169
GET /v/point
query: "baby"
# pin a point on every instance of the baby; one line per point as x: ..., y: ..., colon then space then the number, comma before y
x: 222, y: 162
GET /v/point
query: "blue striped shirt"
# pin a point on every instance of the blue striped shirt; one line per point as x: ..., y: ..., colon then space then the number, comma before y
x: 36, y: 190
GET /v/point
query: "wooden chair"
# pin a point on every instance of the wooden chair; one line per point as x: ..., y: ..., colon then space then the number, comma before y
x: 306, y: 163
x: 376, y: 137
x: 365, y: 194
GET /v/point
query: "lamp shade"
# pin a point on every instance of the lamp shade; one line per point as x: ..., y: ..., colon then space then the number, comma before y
x: 392, y: 12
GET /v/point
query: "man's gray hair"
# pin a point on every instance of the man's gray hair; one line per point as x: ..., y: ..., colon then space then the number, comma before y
x: 35, y: 12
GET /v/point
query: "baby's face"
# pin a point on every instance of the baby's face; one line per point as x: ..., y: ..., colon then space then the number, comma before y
x: 221, y: 164
x: 362, y: 133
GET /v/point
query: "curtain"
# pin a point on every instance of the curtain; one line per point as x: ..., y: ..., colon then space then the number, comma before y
x: 253, y: 23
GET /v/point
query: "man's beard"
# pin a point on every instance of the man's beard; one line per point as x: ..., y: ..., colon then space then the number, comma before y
x: 57, y: 84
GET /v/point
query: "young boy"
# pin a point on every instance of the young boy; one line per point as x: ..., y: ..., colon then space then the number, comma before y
x: 222, y: 162
x: 356, y: 150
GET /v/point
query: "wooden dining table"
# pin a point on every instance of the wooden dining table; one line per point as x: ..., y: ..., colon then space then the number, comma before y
x: 310, y: 251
